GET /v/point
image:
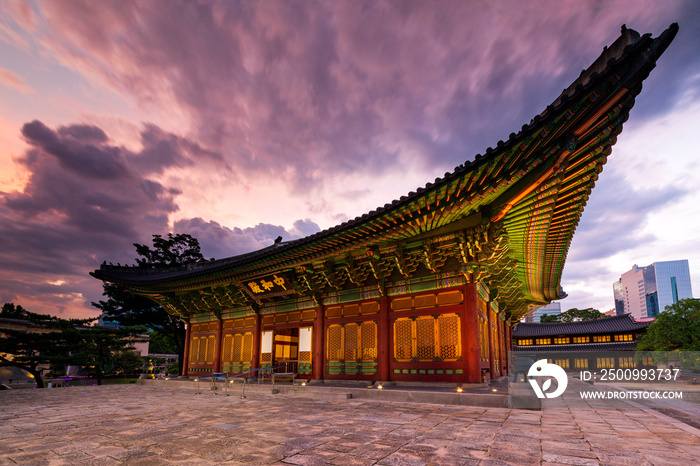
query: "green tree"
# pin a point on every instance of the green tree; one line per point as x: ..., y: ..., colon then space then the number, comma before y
x: 129, y: 310
x: 678, y: 328
x: 50, y: 343
x: 573, y: 315
x: 101, y: 348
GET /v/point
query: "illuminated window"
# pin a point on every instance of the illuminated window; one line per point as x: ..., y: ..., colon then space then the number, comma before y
x: 601, y: 338
x: 428, y: 338
x: 626, y: 362
x: 581, y: 339
x: 605, y: 363
x: 525, y: 342
x: 647, y: 361
x: 624, y: 337
x: 581, y: 363
x: 543, y: 341
x: 563, y: 363
x: 561, y: 341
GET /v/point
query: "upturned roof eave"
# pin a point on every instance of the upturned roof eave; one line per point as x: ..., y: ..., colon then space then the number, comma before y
x: 230, y: 266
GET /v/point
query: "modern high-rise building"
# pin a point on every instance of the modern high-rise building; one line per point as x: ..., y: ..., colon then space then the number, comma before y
x: 646, y: 291
x: 549, y: 309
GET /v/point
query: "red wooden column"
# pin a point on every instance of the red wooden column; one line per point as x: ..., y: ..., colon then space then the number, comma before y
x: 319, y: 361
x: 219, y: 344
x: 501, y: 344
x: 471, y: 362
x: 186, y: 353
x: 490, y: 325
x: 257, y: 335
x: 383, y: 338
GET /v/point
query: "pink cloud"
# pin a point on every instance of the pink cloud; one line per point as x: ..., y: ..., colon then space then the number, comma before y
x: 10, y: 79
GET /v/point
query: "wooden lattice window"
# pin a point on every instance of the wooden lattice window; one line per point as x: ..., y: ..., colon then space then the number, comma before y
x: 403, y: 339
x: 351, y: 342
x: 202, y: 357
x: 626, y: 362
x: 449, y: 337
x: 624, y: 337
x: 335, y: 342
x: 369, y: 340
x: 605, y: 363
x: 580, y: 339
x: 581, y: 363
x: 247, y: 353
x: 227, y: 348
x: 194, y: 350
x: 427, y: 338
x: 352, y: 348
x: 563, y: 363
x: 484, y: 351
x: 211, y: 347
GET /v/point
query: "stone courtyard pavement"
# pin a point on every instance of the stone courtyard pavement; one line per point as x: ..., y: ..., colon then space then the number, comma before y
x: 136, y: 424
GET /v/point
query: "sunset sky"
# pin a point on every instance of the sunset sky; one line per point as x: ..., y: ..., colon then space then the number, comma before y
x: 237, y: 122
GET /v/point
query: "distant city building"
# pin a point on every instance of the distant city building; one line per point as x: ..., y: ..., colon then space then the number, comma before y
x: 549, y: 309
x: 102, y: 322
x: 646, y: 291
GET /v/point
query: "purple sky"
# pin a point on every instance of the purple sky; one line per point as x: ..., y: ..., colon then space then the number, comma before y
x: 238, y: 122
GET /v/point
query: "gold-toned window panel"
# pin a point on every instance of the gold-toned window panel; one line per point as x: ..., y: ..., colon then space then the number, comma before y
x: 211, y: 347
x: 351, y: 342
x: 561, y: 341
x: 601, y: 338
x: 448, y: 331
x: 624, y: 337
x: 581, y: 363
x: 403, y: 339
x: 605, y: 363
x: 563, y: 363
x: 427, y: 338
x: 581, y: 339
x: 335, y: 342
x: 194, y: 350
x: 369, y: 340
x: 522, y: 342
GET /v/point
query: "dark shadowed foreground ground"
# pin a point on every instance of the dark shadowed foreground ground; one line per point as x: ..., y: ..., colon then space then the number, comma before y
x: 164, y: 425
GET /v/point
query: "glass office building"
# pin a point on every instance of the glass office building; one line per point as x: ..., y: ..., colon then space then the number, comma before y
x: 646, y: 291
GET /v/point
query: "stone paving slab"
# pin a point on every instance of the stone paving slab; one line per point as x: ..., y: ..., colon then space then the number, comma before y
x: 152, y: 425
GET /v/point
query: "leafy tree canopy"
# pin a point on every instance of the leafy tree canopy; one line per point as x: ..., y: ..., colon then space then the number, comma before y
x: 678, y: 328
x: 573, y: 315
x: 50, y: 341
x: 128, y: 310
x: 169, y: 252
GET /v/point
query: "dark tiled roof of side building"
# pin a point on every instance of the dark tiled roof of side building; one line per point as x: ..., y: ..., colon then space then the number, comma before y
x: 623, y: 323
x: 580, y: 347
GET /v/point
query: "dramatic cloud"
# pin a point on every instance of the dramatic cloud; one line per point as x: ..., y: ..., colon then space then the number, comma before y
x: 311, y: 91
x: 219, y: 242
x: 233, y: 120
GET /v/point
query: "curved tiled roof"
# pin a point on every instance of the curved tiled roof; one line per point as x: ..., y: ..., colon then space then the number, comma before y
x: 616, y: 324
x: 532, y: 188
